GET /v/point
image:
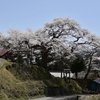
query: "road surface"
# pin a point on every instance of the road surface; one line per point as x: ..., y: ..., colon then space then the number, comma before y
x: 1, y: 63
x: 56, y: 98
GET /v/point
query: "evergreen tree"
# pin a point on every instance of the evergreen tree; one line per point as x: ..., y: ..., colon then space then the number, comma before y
x: 77, y: 65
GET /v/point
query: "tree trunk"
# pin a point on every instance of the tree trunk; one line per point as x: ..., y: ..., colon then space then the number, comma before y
x: 44, y: 59
x: 89, y: 67
x: 76, y: 74
x: 61, y: 71
x: 44, y: 54
x: 61, y: 66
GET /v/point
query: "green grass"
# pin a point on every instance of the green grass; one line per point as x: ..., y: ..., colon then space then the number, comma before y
x: 18, y: 82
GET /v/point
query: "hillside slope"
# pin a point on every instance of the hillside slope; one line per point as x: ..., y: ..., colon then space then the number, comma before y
x: 18, y: 82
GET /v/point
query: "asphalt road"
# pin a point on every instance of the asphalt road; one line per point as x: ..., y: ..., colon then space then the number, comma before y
x: 1, y: 63
x: 56, y: 98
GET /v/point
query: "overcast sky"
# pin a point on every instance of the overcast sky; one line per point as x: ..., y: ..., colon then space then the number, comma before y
x: 23, y: 14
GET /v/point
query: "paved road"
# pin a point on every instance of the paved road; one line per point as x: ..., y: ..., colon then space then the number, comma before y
x: 56, y: 98
x: 62, y: 97
x: 1, y: 63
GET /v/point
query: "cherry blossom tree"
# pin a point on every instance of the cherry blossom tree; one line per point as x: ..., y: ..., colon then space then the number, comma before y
x: 61, y: 35
x: 58, y: 40
x: 90, y: 52
x: 3, y: 40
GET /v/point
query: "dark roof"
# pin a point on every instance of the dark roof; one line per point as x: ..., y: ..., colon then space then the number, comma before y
x: 3, y: 51
x: 96, y: 81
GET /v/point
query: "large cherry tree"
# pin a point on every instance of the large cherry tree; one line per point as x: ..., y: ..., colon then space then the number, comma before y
x: 61, y: 35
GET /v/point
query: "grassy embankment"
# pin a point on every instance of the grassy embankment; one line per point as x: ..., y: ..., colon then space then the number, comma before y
x: 18, y: 82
